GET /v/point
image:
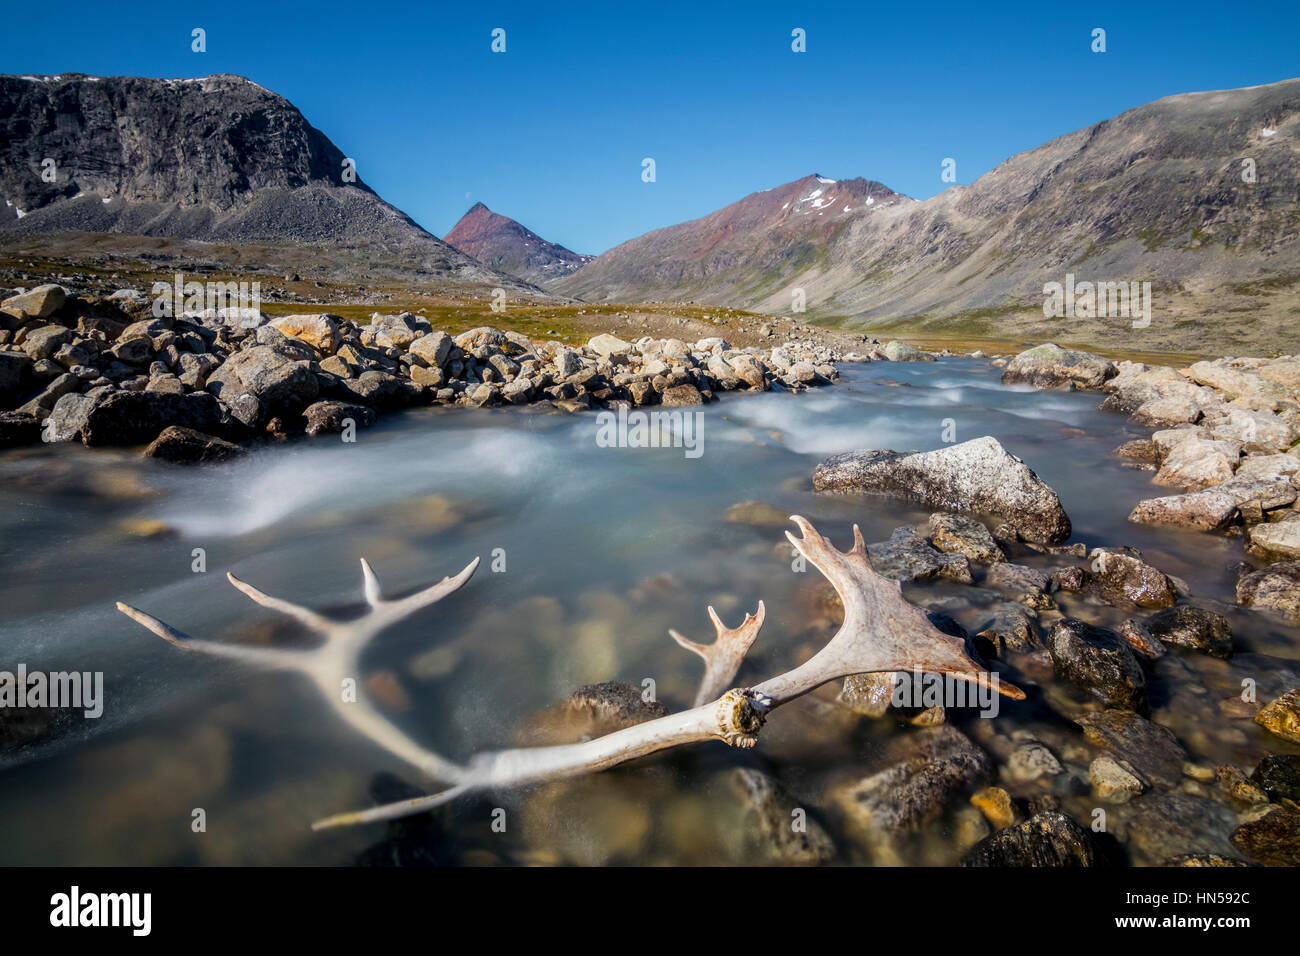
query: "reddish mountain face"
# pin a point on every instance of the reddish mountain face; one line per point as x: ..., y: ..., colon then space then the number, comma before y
x: 504, y: 244
x: 771, y: 233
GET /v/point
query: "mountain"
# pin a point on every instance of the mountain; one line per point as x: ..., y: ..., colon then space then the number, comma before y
x: 217, y: 159
x: 1155, y: 194
x: 504, y: 244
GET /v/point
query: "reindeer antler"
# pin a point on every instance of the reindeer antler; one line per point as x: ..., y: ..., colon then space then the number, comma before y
x: 722, y: 658
x: 881, y: 632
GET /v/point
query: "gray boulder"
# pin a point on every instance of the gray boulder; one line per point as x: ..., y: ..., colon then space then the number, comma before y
x: 1050, y: 366
x: 978, y: 476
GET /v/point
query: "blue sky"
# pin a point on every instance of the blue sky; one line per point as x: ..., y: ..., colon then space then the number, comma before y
x: 553, y: 131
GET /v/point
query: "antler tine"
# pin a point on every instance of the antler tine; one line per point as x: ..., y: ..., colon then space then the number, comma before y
x: 391, y: 811
x: 430, y: 595
x: 374, y: 593
x: 723, y: 657
x: 265, y: 656
x: 303, y: 615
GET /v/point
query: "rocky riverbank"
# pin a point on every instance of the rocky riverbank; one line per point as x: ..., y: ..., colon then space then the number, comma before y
x: 106, y: 371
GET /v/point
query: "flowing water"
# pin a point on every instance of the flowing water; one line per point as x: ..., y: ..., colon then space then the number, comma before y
x: 601, y: 550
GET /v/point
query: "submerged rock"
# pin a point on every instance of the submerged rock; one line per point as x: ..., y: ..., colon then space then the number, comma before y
x: 1048, y: 839
x: 329, y: 417
x: 1194, y: 628
x: 1273, y: 838
x: 1203, y: 510
x: 1152, y: 751
x: 922, y: 773
x: 1278, y: 775
x: 785, y: 836
x: 977, y: 476
x: 1099, y: 660
x: 592, y: 711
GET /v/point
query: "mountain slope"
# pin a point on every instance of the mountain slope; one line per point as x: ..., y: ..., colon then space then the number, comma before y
x: 1155, y: 194
x: 501, y: 243
x: 217, y: 159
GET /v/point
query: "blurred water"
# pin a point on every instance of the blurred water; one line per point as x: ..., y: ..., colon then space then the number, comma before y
x: 604, y: 550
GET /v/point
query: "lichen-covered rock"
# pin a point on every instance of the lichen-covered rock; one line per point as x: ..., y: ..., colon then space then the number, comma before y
x: 897, y: 351
x: 1276, y: 541
x: 976, y: 476
x: 959, y: 534
x: 1122, y: 577
x: 320, y: 331
x: 1276, y: 588
x: 907, y: 556
x: 1099, y: 660
x: 1050, y: 366
x: 1048, y: 839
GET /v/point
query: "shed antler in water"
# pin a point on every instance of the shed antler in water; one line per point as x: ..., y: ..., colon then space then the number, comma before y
x: 881, y: 632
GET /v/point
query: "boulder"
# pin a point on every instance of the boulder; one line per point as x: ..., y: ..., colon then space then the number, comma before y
x: 1278, y: 775
x: 135, y: 418
x: 185, y: 446
x: 1208, y: 510
x: 959, y: 534
x: 434, y: 348
x: 682, y: 395
x: 40, y: 302
x: 1050, y: 366
x: 320, y: 331
x: 1282, y: 716
x: 977, y: 476
x: 1149, y: 750
x: 771, y: 809
x: 1273, y: 838
x: 328, y: 417
x: 1099, y: 660
x: 1122, y: 577
x: 1048, y: 839
x: 897, y: 351
x: 45, y: 342
x: 1193, y: 628
x: 606, y: 345
x: 279, y: 385
x: 13, y: 367
x: 1276, y: 588
x: 1278, y: 541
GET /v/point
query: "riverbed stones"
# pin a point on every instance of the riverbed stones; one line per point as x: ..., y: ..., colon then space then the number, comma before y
x: 1281, y: 717
x: 1050, y: 366
x: 1210, y: 510
x: 974, y: 476
x: 1276, y: 541
x: 1113, y: 780
x: 592, y: 711
x: 1098, y: 660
